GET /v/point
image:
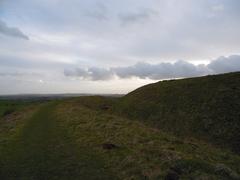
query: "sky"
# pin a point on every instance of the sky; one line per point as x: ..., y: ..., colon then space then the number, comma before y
x: 112, y: 46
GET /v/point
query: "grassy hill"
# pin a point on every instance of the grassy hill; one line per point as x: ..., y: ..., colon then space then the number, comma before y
x: 205, y: 107
x: 97, y: 138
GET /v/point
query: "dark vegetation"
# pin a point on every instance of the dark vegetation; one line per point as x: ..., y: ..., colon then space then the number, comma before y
x: 127, y: 138
x: 8, y: 107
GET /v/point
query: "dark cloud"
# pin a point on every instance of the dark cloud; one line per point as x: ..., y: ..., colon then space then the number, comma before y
x: 134, y: 17
x: 225, y: 64
x: 92, y: 73
x: 161, y: 71
x: 11, y: 31
x: 179, y: 69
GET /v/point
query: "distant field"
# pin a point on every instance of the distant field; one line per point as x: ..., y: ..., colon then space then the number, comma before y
x: 87, y: 138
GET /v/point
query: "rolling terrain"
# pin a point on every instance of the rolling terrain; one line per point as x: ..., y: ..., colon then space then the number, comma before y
x: 179, y: 129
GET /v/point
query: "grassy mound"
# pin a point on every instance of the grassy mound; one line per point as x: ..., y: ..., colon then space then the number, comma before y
x: 205, y: 107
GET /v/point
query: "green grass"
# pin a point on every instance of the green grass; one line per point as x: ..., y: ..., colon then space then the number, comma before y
x: 205, y: 107
x: 43, y: 149
x: 64, y: 139
x: 8, y: 107
x: 144, y: 152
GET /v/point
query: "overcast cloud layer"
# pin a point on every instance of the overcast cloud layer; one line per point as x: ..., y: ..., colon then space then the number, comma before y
x: 51, y: 46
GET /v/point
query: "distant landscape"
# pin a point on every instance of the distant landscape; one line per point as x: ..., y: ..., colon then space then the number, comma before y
x: 173, y: 129
x: 32, y: 97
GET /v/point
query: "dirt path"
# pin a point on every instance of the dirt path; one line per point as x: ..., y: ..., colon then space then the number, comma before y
x: 43, y: 149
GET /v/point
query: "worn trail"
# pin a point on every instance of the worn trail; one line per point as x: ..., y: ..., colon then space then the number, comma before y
x: 43, y: 149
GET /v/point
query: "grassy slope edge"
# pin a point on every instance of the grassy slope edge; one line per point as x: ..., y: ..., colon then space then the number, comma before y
x: 204, y: 107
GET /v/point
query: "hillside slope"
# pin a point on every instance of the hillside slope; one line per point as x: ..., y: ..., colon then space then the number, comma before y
x: 66, y: 140
x: 205, y: 107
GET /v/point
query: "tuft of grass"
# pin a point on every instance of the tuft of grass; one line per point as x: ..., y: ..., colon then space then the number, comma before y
x: 8, y: 111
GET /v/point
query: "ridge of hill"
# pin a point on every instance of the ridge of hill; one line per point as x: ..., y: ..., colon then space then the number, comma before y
x: 204, y: 107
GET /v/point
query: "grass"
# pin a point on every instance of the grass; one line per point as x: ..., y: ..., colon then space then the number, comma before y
x: 65, y: 139
x: 8, y: 107
x: 144, y: 152
x: 205, y: 108
x: 43, y: 149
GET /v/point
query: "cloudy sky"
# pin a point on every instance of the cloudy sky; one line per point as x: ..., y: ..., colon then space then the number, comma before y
x: 112, y: 46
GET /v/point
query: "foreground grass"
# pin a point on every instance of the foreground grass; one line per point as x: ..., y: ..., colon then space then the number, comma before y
x: 144, y: 152
x: 43, y: 149
x: 65, y: 140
